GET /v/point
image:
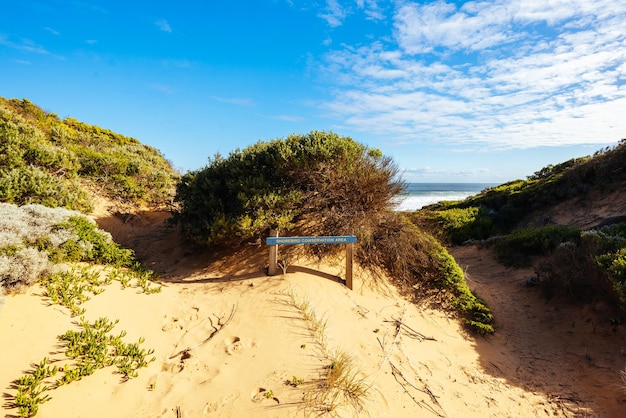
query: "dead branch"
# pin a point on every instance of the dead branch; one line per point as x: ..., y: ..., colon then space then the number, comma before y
x: 397, y: 374
x: 216, y: 328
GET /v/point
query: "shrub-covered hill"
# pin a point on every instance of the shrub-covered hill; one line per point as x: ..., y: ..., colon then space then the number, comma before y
x: 568, y: 220
x: 63, y: 163
x: 322, y: 184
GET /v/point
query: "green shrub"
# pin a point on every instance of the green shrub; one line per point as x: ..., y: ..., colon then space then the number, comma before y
x: 591, y: 268
x: 30, y: 184
x: 509, y: 204
x: 474, y: 311
x: 91, y: 244
x: 33, y: 237
x: 318, y: 184
x: 458, y: 225
x: 41, y: 158
x: 277, y: 184
x: 615, y: 265
x: 517, y: 248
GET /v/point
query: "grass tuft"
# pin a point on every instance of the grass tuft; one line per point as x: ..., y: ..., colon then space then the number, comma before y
x: 341, y: 384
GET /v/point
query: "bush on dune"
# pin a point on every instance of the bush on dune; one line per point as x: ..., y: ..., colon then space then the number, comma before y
x: 278, y: 184
x: 59, y: 163
x: 320, y: 184
x: 34, y: 237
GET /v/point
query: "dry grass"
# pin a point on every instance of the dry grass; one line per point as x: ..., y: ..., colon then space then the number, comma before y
x: 341, y: 387
x: 316, y: 324
x: 622, y: 375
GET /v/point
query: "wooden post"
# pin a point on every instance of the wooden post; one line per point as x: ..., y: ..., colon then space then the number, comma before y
x: 271, y: 270
x: 349, y: 263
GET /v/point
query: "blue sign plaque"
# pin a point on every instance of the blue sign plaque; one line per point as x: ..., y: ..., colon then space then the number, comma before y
x: 341, y: 239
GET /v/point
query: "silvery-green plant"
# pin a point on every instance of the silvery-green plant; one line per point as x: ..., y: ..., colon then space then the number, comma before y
x: 33, y: 237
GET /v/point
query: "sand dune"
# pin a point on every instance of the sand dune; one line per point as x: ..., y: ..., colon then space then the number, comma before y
x: 428, y: 367
x: 545, y: 360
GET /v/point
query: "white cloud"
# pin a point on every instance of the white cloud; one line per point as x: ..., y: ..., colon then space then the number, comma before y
x: 163, y: 25
x: 239, y: 101
x: 288, y: 118
x: 507, y: 73
x: 333, y: 13
x: 24, y: 45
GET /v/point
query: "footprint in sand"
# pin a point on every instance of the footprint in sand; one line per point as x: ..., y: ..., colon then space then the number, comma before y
x: 173, y: 368
x: 263, y: 395
x: 233, y: 345
x: 173, y: 323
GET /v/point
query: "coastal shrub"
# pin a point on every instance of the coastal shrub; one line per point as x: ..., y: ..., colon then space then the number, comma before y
x: 90, y: 244
x: 277, y: 184
x: 42, y: 159
x: 22, y: 269
x: 610, y: 244
x: 423, y: 268
x: 31, y: 184
x: 517, y: 248
x: 457, y: 225
x: 314, y: 184
x: 614, y: 265
x: 32, y: 237
x: 593, y: 267
x: 474, y: 311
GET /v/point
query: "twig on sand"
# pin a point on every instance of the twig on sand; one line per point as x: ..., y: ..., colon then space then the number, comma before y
x: 397, y: 374
x: 410, y: 331
x: 216, y: 328
x: 391, y: 346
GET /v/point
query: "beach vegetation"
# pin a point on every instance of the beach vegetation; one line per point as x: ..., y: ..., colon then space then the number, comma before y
x: 61, y: 163
x: 91, y: 348
x: 501, y: 209
x: 341, y: 384
x: 295, y: 381
x: 32, y: 388
x: 582, y: 264
x: 517, y: 248
x: 38, y: 244
x: 319, y: 183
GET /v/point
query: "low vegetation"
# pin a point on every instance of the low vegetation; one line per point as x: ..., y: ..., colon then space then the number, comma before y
x: 34, y: 238
x: 46, y: 245
x: 90, y: 349
x: 341, y: 385
x: 62, y: 163
x: 584, y: 265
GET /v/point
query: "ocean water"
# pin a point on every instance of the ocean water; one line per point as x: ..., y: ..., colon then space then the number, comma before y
x: 419, y: 195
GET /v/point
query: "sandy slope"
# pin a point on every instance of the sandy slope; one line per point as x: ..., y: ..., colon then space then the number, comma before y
x: 265, y: 345
x: 546, y: 360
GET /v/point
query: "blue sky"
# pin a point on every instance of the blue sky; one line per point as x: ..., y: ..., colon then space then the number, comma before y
x: 476, y: 91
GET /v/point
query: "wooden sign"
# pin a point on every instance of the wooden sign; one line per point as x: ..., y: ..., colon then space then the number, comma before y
x: 340, y: 239
x: 273, y: 241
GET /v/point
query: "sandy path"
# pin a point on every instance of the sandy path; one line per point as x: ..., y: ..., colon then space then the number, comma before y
x: 570, y: 354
